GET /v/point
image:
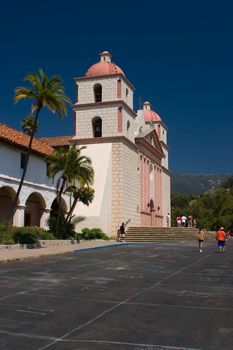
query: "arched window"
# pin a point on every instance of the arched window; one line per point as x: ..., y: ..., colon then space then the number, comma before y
x: 97, y: 127
x: 98, y: 92
x: 126, y: 92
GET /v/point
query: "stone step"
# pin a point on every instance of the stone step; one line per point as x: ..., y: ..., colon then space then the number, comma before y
x: 153, y: 234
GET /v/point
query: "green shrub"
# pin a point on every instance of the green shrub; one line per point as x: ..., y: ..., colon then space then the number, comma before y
x: 26, y: 235
x: 94, y: 233
x: 78, y: 236
x: 61, y: 229
x: 47, y: 235
x: 5, y: 234
x: 99, y: 234
x: 86, y: 233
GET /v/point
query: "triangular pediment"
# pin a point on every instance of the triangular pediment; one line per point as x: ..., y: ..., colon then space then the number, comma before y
x: 151, y: 138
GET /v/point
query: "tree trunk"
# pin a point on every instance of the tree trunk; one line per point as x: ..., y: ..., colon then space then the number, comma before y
x: 71, y: 209
x: 14, y: 205
x: 59, y: 203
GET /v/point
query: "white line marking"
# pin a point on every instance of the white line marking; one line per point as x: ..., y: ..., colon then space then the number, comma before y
x: 32, y: 312
x: 123, y: 302
x: 152, y: 346
x: 74, y: 297
x: 185, y: 306
x: 27, y: 335
x: 38, y: 309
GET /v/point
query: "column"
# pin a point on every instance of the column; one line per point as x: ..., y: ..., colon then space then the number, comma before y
x: 19, y: 216
x: 44, y: 218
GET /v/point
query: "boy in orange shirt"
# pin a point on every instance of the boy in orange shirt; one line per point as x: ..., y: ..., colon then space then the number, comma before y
x: 221, y: 238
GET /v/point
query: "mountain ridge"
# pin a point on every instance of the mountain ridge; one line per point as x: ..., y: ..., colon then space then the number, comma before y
x: 196, y: 184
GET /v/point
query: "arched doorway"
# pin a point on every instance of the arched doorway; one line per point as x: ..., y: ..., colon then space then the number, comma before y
x: 7, y: 195
x: 54, y: 207
x: 35, y: 207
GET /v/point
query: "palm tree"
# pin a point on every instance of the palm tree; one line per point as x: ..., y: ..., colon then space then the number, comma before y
x: 84, y: 194
x: 44, y: 92
x: 28, y: 125
x: 71, y: 167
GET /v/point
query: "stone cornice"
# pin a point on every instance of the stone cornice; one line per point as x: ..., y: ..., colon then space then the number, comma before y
x: 119, y: 103
x: 77, y: 79
x: 164, y: 144
x: 107, y: 139
x: 165, y: 170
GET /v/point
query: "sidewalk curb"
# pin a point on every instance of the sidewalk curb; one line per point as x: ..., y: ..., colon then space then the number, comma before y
x: 115, y: 245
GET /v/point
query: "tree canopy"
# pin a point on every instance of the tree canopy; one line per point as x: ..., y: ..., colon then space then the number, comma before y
x: 212, y: 209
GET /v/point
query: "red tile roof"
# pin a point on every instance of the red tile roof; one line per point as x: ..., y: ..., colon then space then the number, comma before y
x: 18, y: 139
x: 57, y: 141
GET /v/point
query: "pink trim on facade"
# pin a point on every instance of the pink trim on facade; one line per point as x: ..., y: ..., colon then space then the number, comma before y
x: 144, y: 183
x: 148, y: 185
x: 119, y: 88
x: 119, y: 112
x: 155, y: 186
x: 160, y: 193
x: 141, y: 182
x: 159, y: 131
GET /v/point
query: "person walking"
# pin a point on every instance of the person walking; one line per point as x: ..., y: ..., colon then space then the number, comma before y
x: 221, y: 238
x: 200, y: 238
x: 183, y: 220
x: 190, y: 221
x: 178, y: 220
x: 168, y: 219
x: 122, y: 232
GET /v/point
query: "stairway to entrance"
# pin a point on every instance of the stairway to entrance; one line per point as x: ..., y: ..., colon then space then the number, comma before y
x: 155, y: 234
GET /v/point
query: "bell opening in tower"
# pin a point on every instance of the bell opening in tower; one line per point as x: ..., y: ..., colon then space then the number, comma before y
x: 98, y: 92
x: 97, y: 127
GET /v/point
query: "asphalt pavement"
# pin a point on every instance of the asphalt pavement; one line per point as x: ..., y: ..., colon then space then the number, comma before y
x: 133, y: 297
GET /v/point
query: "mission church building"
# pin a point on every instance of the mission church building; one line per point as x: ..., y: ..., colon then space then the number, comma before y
x: 128, y: 150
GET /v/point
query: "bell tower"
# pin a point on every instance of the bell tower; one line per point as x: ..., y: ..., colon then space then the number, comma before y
x: 104, y: 102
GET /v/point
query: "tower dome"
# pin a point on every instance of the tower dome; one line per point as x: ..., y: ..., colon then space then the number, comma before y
x: 104, y: 67
x: 149, y: 115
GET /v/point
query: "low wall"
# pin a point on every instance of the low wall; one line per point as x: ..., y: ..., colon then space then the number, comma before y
x: 40, y: 244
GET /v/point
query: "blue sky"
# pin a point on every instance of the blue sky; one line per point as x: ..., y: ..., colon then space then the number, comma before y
x: 177, y: 54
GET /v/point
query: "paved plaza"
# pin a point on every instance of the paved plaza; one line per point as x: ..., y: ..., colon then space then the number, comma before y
x: 133, y: 297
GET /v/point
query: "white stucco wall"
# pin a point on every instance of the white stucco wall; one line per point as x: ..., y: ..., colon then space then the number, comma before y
x: 10, y: 165
x: 36, y: 180
x: 98, y: 213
